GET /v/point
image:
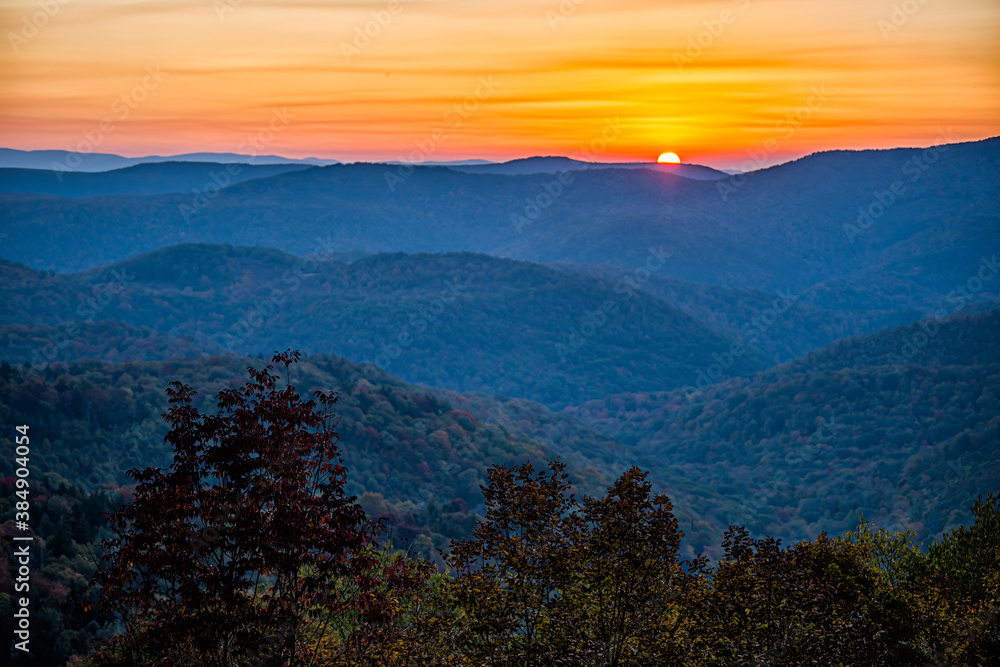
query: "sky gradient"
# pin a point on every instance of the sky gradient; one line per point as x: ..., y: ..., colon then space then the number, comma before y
x: 714, y: 81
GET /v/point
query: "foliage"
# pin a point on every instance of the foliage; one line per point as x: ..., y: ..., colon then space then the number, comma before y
x: 809, y: 446
x: 547, y: 580
x: 415, y: 458
x: 456, y: 321
x: 419, y: 626
x: 65, y: 522
x: 938, y: 606
x: 965, y: 567
x: 248, y: 548
x: 515, y: 573
x: 774, y: 606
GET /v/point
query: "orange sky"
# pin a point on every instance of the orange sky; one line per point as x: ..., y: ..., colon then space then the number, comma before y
x: 558, y: 75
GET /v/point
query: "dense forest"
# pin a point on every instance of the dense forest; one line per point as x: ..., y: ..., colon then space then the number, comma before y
x: 411, y: 452
x: 458, y: 321
x: 856, y: 428
x: 66, y: 523
x: 544, y: 578
x: 793, y: 451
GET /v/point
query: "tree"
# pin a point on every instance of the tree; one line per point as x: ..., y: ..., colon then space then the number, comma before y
x: 960, y: 591
x: 774, y: 606
x: 891, y: 589
x: 516, y: 570
x: 941, y: 607
x: 418, y: 627
x: 549, y: 581
x: 632, y: 582
x: 247, y: 551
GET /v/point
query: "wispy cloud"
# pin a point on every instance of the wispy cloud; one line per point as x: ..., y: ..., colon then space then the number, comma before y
x: 609, y: 58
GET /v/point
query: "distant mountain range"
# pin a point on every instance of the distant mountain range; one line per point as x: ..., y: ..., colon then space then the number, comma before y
x: 66, y: 161
x: 829, y: 218
x: 142, y: 179
x: 552, y: 165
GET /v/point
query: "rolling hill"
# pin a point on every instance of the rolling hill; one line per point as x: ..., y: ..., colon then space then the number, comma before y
x: 794, y: 450
x: 143, y: 179
x: 408, y: 453
x: 458, y: 321
x: 805, y: 320
x: 414, y: 454
x: 896, y: 426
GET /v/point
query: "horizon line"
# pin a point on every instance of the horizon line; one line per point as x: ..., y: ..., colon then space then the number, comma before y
x: 759, y: 164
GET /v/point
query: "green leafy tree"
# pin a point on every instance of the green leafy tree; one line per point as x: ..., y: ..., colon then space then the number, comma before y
x: 889, y: 563
x: 630, y: 580
x: 942, y: 606
x: 774, y: 606
x: 418, y: 626
x: 549, y: 581
x: 960, y: 594
x: 514, y: 573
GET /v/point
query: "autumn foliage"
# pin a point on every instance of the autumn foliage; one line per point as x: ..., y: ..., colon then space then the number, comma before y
x: 248, y: 551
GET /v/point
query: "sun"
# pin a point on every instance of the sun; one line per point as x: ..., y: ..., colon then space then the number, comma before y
x: 669, y: 158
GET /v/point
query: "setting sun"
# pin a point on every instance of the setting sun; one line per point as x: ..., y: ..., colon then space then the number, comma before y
x: 669, y: 158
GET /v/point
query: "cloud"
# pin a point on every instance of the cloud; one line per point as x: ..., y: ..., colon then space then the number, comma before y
x: 608, y: 58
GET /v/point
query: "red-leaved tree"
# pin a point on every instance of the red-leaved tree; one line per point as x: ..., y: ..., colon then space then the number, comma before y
x: 247, y: 551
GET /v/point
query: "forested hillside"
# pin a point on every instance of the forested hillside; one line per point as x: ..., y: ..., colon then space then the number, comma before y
x: 107, y: 340
x: 894, y: 426
x: 459, y: 321
x: 67, y: 523
x: 869, y: 597
x: 808, y: 446
x: 411, y: 452
x: 650, y: 342
x: 804, y: 320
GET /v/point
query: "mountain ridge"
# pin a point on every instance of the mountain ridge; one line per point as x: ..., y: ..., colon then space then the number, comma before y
x: 461, y: 321
x: 789, y: 227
